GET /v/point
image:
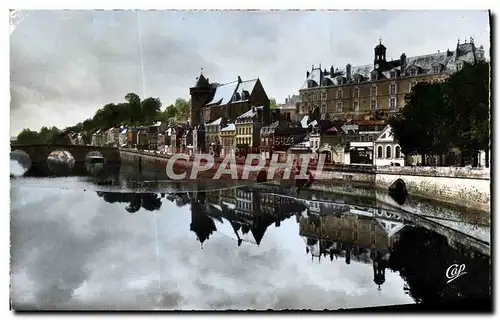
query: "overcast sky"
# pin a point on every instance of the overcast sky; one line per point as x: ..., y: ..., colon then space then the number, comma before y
x: 67, y: 64
x: 98, y: 256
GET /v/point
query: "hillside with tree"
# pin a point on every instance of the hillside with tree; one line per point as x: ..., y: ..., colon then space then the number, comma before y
x: 132, y: 112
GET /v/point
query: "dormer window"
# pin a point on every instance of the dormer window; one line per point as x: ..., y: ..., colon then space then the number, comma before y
x: 357, y: 79
x: 245, y: 95
x: 374, y: 76
x: 393, y: 74
x: 236, y: 96
x: 459, y: 65
x: 412, y: 71
x: 436, y: 68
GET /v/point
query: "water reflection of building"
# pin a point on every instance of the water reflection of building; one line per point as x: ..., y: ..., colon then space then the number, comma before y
x: 246, y: 217
x: 360, y: 234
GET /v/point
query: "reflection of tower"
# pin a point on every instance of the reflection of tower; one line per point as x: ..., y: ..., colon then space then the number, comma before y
x: 379, y: 265
x: 201, y: 224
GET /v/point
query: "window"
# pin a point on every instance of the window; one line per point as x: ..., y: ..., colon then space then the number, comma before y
x: 323, y: 108
x: 355, y: 105
x: 436, y: 68
x: 374, y: 76
x: 398, y: 152
x: 379, y: 152
x: 356, y: 92
x: 459, y: 66
x: 339, y: 106
x: 373, y: 90
x: 393, y: 75
x: 339, y: 94
x: 412, y: 84
x: 388, y: 152
x: 413, y: 72
x: 392, y: 103
x: 323, y: 95
x: 392, y: 88
x: 374, y: 105
x: 356, y: 79
x: 314, y: 97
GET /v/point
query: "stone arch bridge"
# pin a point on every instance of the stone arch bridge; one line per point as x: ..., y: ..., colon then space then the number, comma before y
x: 39, y: 152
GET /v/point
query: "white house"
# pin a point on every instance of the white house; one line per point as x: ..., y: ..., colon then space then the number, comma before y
x: 122, y: 137
x: 112, y: 138
x: 387, y: 150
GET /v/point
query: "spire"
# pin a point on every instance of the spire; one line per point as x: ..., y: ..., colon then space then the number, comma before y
x: 380, y: 40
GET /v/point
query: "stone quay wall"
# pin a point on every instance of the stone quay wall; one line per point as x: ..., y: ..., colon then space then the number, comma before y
x: 465, y: 187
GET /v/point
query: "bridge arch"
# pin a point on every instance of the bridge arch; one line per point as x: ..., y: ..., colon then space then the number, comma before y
x: 23, y: 159
x: 38, y: 153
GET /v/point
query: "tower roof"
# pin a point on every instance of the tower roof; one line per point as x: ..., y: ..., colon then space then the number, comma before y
x: 201, y: 81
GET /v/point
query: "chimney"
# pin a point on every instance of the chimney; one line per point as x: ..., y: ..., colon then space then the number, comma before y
x: 307, y: 74
x: 403, y: 63
x: 239, y: 79
x: 348, y: 72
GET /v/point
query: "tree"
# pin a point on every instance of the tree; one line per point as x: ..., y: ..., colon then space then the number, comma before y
x: 134, y: 103
x: 424, y: 126
x: 150, y: 109
x: 272, y: 104
x: 28, y: 137
x: 183, y: 109
x: 422, y: 257
x: 468, y: 93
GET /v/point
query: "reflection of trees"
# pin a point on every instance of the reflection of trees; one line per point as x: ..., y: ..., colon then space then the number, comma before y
x: 148, y: 201
x: 422, y: 257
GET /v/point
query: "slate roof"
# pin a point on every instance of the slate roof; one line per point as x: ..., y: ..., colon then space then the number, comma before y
x: 249, y: 114
x: 466, y: 52
x: 225, y: 93
x: 229, y: 127
x: 215, y: 123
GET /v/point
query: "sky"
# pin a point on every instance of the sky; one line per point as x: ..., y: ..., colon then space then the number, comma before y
x: 67, y: 64
x: 95, y: 255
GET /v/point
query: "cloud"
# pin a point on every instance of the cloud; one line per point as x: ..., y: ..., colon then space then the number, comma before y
x: 67, y: 64
x: 72, y: 250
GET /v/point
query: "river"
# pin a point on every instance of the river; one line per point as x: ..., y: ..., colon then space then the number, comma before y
x: 126, y: 241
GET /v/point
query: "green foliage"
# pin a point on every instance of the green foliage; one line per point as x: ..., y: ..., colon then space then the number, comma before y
x: 45, y: 136
x: 272, y: 104
x: 442, y: 116
x: 423, y: 126
x: 131, y: 112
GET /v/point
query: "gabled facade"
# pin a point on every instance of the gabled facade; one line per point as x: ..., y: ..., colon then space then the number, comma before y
x: 210, y: 101
x: 227, y: 137
x: 387, y: 149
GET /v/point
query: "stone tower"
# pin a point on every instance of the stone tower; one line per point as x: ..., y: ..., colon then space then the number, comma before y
x: 201, y: 93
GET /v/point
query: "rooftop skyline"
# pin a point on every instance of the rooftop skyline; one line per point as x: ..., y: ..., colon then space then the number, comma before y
x: 67, y: 64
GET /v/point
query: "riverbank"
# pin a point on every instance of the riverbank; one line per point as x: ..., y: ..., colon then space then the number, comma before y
x: 464, y: 187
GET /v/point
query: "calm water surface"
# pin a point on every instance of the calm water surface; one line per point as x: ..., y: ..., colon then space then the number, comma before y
x: 76, y: 244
